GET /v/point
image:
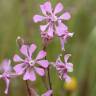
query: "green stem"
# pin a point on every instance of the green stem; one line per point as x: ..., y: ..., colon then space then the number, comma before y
x: 48, y: 74
x: 49, y: 79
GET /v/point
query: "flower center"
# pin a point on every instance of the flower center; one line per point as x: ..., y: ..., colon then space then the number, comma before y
x: 54, y: 18
x: 31, y: 62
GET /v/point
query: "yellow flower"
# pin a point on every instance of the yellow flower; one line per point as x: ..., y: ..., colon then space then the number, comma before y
x: 72, y: 85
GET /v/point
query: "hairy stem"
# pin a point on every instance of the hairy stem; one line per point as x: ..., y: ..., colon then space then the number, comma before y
x: 28, y: 89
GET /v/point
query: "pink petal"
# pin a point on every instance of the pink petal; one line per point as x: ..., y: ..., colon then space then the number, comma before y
x: 29, y: 75
x: 58, y: 8
x: 59, y: 30
x: 6, y: 65
x: 48, y: 7
x: 43, y: 9
x: 24, y: 50
x: 39, y: 71
x: 48, y: 93
x: 32, y: 49
x: 67, y: 78
x: 62, y: 26
x: 7, y: 81
x: 44, y: 27
x: 43, y: 63
x: 66, y: 57
x: 17, y: 58
x: 41, y: 55
x: 65, y: 16
x: 69, y: 67
x: 19, y: 69
x: 50, y: 31
x: 38, y: 18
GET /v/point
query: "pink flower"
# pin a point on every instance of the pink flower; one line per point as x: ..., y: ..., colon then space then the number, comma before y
x: 48, y: 93
x: 64, y: 67
x: 7, y: 74
x: 64, y: 37
x: 27, y: 66
x: 50, y: 16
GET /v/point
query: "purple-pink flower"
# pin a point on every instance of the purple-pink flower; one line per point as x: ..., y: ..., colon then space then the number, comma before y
x: 64, y: 37
x: 48, y: 93
x: 64, y: 67
x: 29, y: 66
x: 6, y: 73
x: 50, y: 15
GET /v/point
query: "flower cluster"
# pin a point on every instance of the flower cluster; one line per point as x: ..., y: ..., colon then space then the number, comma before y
x: 27, y: 65
x: 55, y: 25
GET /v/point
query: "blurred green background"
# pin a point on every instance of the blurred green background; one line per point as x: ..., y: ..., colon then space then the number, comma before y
x: 16, y: 20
